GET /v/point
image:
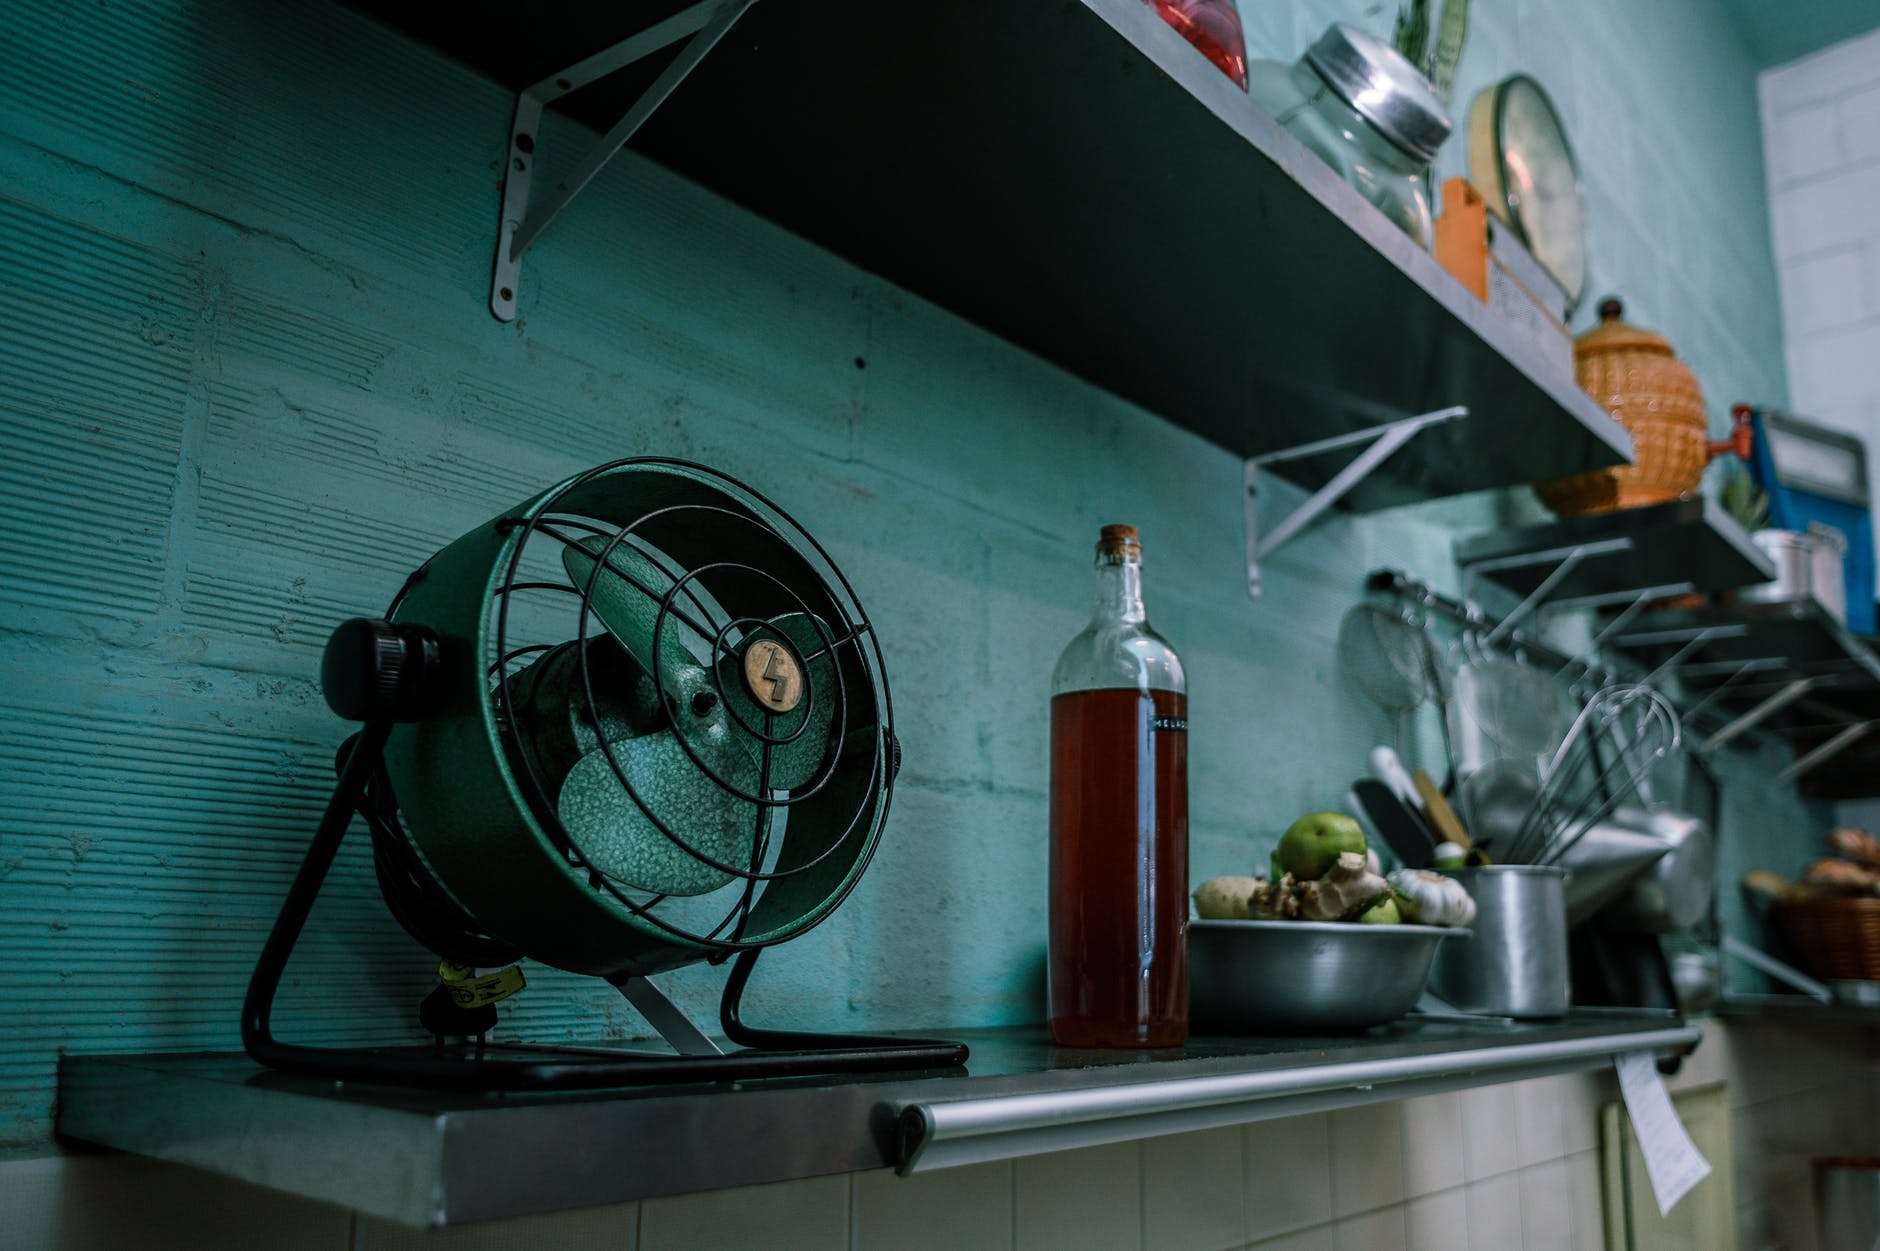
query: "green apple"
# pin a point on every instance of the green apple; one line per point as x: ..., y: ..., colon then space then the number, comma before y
x: 1313, y: 843
x: 1383, y: 912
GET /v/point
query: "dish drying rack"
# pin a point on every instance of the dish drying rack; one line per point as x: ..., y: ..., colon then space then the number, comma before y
x: 1706, y: 723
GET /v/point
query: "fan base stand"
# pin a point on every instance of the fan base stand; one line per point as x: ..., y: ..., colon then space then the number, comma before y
x: 494, y: 1066
x: 666, y: 1016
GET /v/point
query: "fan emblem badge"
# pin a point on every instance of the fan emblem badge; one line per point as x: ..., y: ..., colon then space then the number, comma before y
x: 773, y: 675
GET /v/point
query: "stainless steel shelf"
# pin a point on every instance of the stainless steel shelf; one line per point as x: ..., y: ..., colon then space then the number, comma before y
x: 1797, y: 1008
x: 1690, y: 541
x: 1073, y: 176
x: 1787, y: 667
x: 434, y: 1158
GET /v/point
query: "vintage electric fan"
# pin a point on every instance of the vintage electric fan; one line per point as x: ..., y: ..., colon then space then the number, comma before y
x: 638, y: 722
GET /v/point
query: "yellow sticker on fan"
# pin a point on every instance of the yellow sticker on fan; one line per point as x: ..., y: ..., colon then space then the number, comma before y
x: 469, y: 990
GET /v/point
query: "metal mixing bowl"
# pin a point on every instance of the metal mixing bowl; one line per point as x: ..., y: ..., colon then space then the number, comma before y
x: 1288, y: 977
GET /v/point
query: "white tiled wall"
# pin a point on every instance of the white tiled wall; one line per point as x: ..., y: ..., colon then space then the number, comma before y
x: 1499, y: 1168
x: 1821, y: 133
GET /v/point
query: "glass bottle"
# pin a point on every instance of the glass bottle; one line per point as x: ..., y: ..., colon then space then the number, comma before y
x: 1212, y: 26
x: 1119, y: 822
x: 1365, y: 111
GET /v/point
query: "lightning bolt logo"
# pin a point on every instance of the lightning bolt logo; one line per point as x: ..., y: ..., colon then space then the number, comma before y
x: 774, y: 674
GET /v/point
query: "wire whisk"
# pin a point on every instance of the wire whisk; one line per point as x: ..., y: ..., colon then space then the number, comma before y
x: 1608, y: 754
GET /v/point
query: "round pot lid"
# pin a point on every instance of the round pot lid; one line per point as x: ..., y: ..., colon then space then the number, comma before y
x: 1521, y: 161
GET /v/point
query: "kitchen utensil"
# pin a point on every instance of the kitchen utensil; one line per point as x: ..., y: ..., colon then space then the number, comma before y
x: 1267, y: 977
x: 1515, y: 963
x: 1792, y: 553
x: 1827, y: 569
x: 1387, y: 767
x: 1809, y: 566
x: 1812, y: 473
x: 1366, y: 112
x: 1495, y: 802
x: 1675, y: 893
x: 1442, y: 818
x: 1520, y: 159
x: 1605, y: 861
x: 1697, y: 979
x: 1395, y: 822
x: 1580, y: 784
x: 1387, y: 656
x: 1639, y: 380
x: 1501, y: 709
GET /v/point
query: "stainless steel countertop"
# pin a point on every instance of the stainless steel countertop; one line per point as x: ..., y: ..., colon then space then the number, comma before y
x: 437, y: 1158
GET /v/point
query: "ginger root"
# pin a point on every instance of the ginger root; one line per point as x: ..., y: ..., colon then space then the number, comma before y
x: 1347, y: 889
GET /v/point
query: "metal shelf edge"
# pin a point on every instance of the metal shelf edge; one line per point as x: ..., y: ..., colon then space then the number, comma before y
x: 952, y: 1133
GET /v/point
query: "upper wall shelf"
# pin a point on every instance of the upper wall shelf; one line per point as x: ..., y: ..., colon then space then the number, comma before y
x: 1665, y: 549
x: 1073, y: 176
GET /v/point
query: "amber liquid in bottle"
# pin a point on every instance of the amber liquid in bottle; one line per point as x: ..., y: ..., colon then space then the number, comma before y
x: 1119, y: 869
x: 1118, y: 964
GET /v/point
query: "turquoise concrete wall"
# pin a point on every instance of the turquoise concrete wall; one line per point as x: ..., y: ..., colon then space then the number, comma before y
x: 247, y: 382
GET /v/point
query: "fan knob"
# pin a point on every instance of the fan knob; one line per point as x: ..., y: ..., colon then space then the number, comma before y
x: 373, y: 670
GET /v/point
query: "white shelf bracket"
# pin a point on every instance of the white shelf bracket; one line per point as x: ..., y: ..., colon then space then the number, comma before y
x: 1760, y: 713
x: 1564, y: 561
x: 1383, y: 441
x: 1737, y: 674
x: 1828, y: 750
x: 1782, y: 972
x: 705, y: 22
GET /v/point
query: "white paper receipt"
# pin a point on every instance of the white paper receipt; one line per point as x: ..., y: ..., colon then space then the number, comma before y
x: 1672, y: 1160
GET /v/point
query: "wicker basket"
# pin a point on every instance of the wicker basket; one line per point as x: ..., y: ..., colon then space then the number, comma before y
x: 1635, y: 375
x: 1834, y: 938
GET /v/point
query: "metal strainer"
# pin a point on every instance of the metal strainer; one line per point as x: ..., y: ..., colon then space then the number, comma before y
x: 1388, y: 657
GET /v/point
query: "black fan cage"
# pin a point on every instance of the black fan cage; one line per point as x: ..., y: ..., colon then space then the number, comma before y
x: 688, y: 604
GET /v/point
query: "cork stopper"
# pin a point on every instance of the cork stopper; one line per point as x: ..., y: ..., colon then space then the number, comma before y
x: 1119, y: 542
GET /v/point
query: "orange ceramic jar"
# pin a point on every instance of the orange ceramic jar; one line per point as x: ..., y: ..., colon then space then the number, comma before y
x: 1653, y: 394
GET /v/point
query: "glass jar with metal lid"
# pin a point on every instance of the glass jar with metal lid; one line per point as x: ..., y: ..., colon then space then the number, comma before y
x: 1357, y: 103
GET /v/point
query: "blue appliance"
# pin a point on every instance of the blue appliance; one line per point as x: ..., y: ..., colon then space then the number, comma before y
x: 1816, y: 474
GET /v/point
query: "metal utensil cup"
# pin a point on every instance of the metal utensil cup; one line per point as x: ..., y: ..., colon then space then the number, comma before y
x: 1515, y: 962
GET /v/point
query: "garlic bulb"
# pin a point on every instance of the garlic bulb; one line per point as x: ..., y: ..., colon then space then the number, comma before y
x: 1431, y: 898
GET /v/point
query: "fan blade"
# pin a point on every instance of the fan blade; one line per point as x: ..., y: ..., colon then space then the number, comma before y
x: 557, y: 726
x: 632, y: 615
x: 621, y: 841
x: 797, y: 762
